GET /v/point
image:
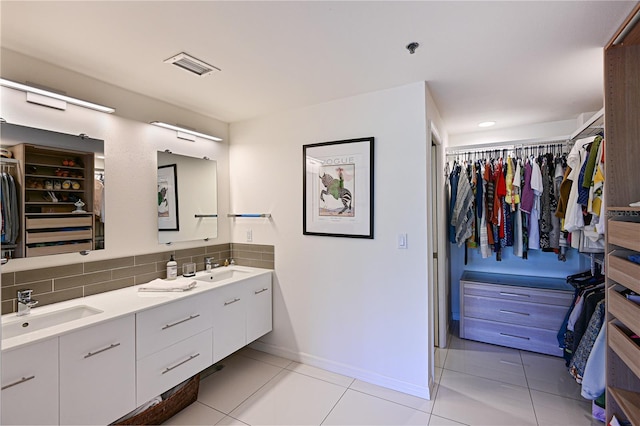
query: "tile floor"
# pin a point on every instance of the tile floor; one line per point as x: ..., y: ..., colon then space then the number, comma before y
x: 478, y: 384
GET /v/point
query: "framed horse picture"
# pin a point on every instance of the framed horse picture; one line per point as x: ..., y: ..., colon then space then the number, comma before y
x: 337, y: 185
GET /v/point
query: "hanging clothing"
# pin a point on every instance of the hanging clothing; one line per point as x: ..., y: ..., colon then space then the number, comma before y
x: 594, y: 378
x: 463, y: 210
x: 581, y: 355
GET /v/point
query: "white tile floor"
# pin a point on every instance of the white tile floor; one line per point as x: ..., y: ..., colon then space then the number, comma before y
x: 478, y: 384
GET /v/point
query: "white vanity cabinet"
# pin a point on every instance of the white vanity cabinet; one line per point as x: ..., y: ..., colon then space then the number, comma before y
x: 241, y: 313
x: 174, y: 342
x: 259, y: 307
x: 229, y: 307
x: 30, y: 384
x: 97, y: 372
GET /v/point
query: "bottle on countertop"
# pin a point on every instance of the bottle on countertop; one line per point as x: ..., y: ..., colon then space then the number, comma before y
x: 172, y: 269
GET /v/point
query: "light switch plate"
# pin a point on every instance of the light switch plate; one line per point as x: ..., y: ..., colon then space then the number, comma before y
x: 402, y: 241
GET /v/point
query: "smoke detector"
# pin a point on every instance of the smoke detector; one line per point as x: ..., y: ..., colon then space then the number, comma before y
x: 191, y: 64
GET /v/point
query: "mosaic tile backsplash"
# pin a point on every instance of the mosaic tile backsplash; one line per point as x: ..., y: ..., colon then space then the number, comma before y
x: 59, y: 283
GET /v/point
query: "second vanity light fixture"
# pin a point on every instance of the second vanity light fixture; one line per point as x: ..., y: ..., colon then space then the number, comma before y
x: 53, y: 95
x: 185, y: 130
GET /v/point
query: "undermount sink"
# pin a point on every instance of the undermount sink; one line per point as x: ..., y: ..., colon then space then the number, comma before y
x: 221, y: 275
x: 34, y: 322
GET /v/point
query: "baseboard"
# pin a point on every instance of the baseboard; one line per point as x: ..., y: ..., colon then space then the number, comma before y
x: 346, y: 370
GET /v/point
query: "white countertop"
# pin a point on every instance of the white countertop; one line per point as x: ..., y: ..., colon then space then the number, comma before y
x: 114, y: 304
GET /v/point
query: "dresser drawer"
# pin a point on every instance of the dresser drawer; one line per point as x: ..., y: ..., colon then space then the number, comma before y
x: 165, y: 325
x: 624, y: 309
x: 58, y: 222
x: 624, y: 272
x: 549, y: 317
x: 163, y: 370
x: 513, y: 336
x: 624, y: 234
x: 523, y: 294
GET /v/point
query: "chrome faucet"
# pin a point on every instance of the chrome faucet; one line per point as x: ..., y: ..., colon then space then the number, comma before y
x: 208, y: 264
x: 25, y: 302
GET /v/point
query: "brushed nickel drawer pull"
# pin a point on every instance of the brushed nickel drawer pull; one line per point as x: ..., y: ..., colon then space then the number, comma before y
x: 260, y: 291
x: 504, y: 311
x: 181, y: 321
x: 504, y: 293
x: 513, y: 335
x: 180, y: 363
x: 237, y: 299
x: 90, y: 354
x: 24, y: 379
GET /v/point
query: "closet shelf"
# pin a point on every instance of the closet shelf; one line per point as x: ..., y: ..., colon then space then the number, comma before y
x: 592, y: 127
x: 629, y: 403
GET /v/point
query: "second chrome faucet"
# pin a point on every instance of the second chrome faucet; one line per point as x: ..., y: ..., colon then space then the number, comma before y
x: 25, y: 302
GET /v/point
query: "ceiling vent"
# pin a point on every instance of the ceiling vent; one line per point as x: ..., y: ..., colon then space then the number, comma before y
x: 192, y: 64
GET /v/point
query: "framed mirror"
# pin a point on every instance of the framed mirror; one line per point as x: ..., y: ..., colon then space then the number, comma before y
x: 187, y: 198
x: 52, y: 192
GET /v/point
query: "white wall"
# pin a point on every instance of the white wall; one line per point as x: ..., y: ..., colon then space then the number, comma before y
x: 130, y: 151
x: 354, y: 306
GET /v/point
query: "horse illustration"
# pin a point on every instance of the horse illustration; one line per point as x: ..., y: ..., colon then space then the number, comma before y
x: 335, y: 189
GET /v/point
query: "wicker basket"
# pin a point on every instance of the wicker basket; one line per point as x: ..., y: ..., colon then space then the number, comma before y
x: 169, y: 407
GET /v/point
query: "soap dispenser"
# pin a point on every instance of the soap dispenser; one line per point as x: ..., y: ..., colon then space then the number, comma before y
x: 172, y: 269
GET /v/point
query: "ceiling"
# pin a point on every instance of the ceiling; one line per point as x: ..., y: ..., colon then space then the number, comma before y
x: 514, y: 62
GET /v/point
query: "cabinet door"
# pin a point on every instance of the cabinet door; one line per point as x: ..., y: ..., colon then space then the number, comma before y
x: 229, y: 320
x: 98, y: 373
x: 259, y: 307
x: 30, y: 384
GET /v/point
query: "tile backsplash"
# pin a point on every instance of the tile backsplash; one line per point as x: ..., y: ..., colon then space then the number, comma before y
x: 59, y: 283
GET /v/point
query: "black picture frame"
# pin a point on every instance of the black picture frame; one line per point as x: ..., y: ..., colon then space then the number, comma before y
x: 337, y: 184
x: 168, y: 212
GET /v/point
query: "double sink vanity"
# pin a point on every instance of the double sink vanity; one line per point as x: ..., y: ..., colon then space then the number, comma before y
x: 94, y: 359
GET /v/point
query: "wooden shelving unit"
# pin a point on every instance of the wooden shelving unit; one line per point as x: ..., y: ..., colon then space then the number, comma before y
x: 53, y: 180
x: 622, y: 144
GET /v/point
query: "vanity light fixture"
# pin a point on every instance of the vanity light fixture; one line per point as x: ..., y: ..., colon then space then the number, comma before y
x: 487, y: 124
x: 53, y: 95
x: 184, y: 130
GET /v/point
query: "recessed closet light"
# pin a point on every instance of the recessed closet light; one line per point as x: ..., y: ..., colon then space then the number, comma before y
x: 487, y: 124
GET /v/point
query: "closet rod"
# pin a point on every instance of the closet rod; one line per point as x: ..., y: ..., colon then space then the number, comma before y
x: 471, y: 149
x: 508, y: 144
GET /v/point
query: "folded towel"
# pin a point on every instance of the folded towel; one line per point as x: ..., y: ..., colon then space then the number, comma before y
x: 179, y: 284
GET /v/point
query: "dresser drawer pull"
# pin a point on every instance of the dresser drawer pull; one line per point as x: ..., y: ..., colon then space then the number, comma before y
x: 24, y: 379
x: 260, y: 291
x: 504, y: 293
x: 514, y: 336
x: 504, y: 311
x: 90, y: 354
x: 166, y: 370
x: 237, y: 299
x: 181, y: 321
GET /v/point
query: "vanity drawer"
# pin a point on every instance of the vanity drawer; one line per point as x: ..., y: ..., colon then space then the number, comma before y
x: 523, y: 294
x: 58, y: 222
x: 165, y: 325
x: 549, y: 317
x: 513, y: 336
x: 163, y: 370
